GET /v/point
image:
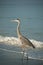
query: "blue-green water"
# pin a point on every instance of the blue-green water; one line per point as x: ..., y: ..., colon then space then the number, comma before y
x: 30, y: 28
x: 31, y: 14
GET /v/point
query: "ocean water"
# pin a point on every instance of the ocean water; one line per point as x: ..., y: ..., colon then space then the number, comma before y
x: 30, y: 28
x: 31, y: 16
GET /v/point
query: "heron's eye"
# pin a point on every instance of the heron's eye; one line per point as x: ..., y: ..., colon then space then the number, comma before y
x: 17, y: 18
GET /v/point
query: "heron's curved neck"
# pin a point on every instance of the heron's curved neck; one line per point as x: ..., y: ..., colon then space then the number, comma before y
x: 18, y: 30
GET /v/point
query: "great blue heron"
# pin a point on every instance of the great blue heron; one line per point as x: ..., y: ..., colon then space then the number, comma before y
x: 25, y: 42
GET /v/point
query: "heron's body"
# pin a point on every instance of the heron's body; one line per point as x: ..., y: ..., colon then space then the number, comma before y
x: 25, y: 42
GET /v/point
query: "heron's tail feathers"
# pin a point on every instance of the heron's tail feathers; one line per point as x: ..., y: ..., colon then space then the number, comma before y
x: 33, y: 46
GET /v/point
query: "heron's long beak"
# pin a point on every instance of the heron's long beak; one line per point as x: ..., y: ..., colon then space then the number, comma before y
x: 14, y: 20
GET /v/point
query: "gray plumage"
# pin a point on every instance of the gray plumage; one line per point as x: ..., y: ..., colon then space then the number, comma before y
x: 25, y: 42
x: 23, y: 39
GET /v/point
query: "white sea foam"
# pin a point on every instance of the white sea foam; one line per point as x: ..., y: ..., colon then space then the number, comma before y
x: 10, y: 40
x: 16, y: 41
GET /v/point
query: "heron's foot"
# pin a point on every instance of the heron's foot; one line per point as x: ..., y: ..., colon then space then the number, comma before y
x: 27, y: 57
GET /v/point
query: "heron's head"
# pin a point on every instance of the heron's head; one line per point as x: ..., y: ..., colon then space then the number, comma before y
x: 16, y: 20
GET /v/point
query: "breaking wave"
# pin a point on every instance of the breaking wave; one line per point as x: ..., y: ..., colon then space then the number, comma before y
x: 16, y: 41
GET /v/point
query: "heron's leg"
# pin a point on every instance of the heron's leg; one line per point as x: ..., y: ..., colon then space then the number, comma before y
x: 27, y: 56
x: 23, y: 54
